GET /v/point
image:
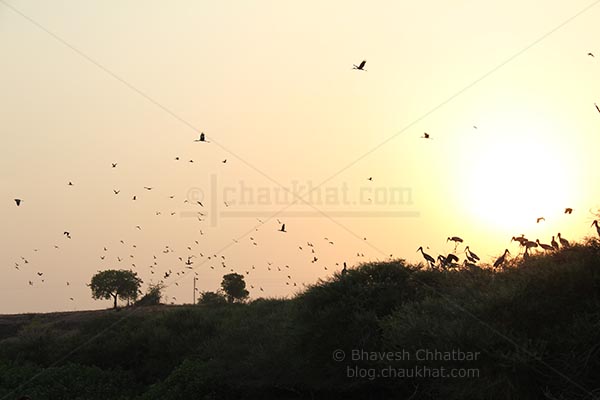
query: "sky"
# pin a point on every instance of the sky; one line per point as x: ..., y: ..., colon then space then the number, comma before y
x: 505, y: 90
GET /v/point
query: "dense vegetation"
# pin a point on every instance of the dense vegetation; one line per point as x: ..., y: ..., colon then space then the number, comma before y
x: 535, y: 324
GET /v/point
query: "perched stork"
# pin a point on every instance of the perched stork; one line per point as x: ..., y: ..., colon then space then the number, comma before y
x: 529, y: 244
x: 470, y: 254
x: 501, y: 259
x: 426, y: 256
x: 554, y: 244
x: 563, y: 242
x: 546, y: 247
x: 456, y: 241
x: 595, y: 223
x: 521, y: 239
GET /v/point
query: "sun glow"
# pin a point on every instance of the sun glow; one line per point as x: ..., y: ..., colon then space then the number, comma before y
x: 518, y: 175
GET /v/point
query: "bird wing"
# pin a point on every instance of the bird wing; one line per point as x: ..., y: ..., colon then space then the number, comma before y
x: 362, y: 64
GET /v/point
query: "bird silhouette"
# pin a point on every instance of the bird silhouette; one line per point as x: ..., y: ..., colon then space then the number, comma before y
x: 500, y: 260
x: 540, y: 219
x: 67, y: 234
x: 595, y: 223
x: 471, y: 254
x: 546, y: 247
x: 590, y: 54
x: 282, y: 228
x: 114, y: 165
x: 116, y: 191
x: 426, y: 256
x: 360, y: 66
x: 554, y: 244
x: 597, y: 108
x: 563, y: 242
x: 425, y: 136
x: 568, y: 210
x: 202, y: 138
x: 345, y: 270
x: 70, y: 183
x: 18, y: 201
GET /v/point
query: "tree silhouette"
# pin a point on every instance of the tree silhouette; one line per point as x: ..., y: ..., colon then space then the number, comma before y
x: 115, y: 284
x: 153, y: 295
x: 212, y: 298
x: 234, y: 287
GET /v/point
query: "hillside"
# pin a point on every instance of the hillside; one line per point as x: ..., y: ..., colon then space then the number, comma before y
x: 383, y: 330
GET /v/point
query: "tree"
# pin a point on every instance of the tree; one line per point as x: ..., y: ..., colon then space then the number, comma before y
x: 115, y: 284
x: 153, y: 295
x: 234, y: 287
x: 212, y: 298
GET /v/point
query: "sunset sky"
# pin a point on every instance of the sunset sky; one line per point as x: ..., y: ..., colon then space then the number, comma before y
x: 506, y: 91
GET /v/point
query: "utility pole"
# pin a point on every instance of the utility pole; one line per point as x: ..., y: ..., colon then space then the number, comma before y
x: 194, y: 290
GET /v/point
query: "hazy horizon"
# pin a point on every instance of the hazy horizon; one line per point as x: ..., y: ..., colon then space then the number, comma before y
x: 505, y: 91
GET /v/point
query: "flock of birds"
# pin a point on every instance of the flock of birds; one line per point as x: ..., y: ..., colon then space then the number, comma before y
x: 471, y: 259
x: 186, y: 266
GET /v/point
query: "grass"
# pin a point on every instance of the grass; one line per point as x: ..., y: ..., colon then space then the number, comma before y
x: 535, y: 326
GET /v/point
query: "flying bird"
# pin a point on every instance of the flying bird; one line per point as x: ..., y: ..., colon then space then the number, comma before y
x: 18, y: 201
x: 114, y: 165
x: 224, y: 161
x: 538, y: 220
x: 568, y: 210
x: 116, y: 191
x: 590, y: 54
x: 67, y: 234
x: 360, y: 66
